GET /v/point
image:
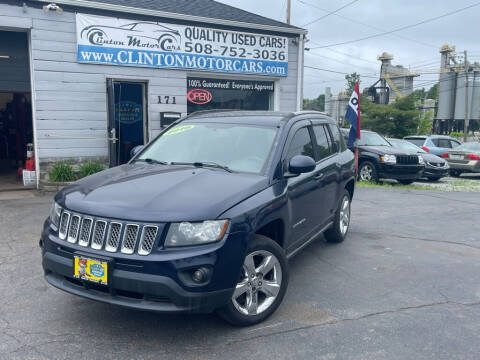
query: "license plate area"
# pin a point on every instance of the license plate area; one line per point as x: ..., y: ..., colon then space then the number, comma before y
x: 91, y: 269
x: 456, y: 157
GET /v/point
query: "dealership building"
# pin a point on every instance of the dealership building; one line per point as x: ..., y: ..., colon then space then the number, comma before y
x: 88, y: 80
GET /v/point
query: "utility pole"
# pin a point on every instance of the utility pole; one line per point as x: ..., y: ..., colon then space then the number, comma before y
x: 289, y: 10
x: 467, y: 119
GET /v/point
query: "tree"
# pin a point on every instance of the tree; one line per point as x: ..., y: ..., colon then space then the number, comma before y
x: 432, y: 93
x: 395, y: 120
x: 425, y: 125
x: 315, y: 104
x: 351, y: 82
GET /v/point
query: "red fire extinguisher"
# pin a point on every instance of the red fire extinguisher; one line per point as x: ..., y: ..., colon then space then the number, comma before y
x: 30, y: 163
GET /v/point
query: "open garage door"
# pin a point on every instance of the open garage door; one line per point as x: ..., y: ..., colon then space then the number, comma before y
x: 16, y: 128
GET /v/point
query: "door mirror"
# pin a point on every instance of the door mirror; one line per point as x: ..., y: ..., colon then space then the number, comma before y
x: 300, y: 164
x: 136, y: 150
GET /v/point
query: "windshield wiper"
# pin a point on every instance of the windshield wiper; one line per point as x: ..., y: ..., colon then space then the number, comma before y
x: 151, y: 161
x: 204, y: 164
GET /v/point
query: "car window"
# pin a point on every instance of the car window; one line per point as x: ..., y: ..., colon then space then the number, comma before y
x: 444, y: 143
x: 416, y: 141
x: 454, y: 143
x: 372, y: 139
x: 301, y: 144
x: 337, y: 139
x: 323, y: 147
x: 435, y: 142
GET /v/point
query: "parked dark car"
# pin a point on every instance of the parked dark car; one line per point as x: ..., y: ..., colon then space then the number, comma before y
x: 434, y: 144
x: 464, y: 159
x: 377, y: 159
x: 435, y: 166
x: 205, y: 216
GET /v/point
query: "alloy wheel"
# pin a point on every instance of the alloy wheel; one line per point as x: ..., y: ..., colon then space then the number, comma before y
x: 366, y: 173
x: 344, y: 217
x: 259, y: 283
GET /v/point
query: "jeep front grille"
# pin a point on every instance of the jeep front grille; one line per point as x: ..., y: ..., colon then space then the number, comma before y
x: 85, y: 231
x: 129, y: 239
x: 111, y: 236
x: 73, y: 229
x: 407, y: 159
x: 149, y: 233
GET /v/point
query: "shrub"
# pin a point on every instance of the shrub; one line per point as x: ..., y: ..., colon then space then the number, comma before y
x: 89, y: 168
x: 62, y: 172
x: 457, y: 134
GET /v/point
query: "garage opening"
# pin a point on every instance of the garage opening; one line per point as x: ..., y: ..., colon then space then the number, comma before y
x: 16, y: 128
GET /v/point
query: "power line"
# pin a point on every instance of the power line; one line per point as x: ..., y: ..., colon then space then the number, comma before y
x: 330, y: 13
x: 337, y: 72
x: 367, y: 25
x: 402, y: 27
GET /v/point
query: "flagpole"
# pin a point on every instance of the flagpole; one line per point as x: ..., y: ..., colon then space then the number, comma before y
x: 358, y: 132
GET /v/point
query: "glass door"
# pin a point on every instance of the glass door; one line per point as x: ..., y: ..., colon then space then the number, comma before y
x: 127, y: 119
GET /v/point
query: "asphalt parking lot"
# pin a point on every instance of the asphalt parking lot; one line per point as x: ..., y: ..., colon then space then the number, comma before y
x: 404, y: 285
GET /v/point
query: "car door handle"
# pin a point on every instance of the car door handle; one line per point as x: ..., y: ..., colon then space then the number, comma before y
x: 318, y: 176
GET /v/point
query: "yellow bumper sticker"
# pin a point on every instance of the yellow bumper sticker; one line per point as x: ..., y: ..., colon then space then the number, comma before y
x: 90, y: 269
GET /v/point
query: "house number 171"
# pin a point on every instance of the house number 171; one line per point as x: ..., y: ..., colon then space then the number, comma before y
x: 167, y: 99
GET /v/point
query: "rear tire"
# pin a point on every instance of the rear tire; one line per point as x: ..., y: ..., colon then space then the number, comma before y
x: 338, y: 232
x: 367, y: 172
x: 433, y: 178
x: 262, y: 284
x: 405, y: 182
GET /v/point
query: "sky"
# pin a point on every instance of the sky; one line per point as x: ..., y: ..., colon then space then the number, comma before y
x: 416, y: 48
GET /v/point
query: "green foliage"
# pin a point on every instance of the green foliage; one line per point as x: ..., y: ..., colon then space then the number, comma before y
x: 394, y: 120
x: 315, y: 104
x: 62, y: 172
x: 419, y: 94
x: 351, y: 82
x: 425, y: 125
x: 432, y: 93
x: 457, y: 134
x: 89, y: 168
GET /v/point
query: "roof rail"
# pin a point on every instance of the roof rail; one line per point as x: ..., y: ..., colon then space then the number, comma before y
x: 305, y: 112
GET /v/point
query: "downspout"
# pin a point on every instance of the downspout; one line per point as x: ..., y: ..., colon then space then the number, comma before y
x: 301, y: 49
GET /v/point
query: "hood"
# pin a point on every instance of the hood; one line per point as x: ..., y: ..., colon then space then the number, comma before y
x: 159, y: 193
x: 432, y: 158
x: 389, y: 150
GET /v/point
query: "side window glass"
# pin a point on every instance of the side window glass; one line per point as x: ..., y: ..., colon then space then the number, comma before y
x: 338, y: 144
x: 444, y: 143
x: 301, y: 144
x: 435, y: 142
x: 454, y: 143
x: 322, y: 137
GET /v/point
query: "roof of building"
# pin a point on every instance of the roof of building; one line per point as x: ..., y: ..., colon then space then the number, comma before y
x: 208, y: 11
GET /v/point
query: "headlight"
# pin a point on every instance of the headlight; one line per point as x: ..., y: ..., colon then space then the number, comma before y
x: 186, y: 233
x: 55, y: 212
x: 420, y: 160
x: 388, y: 159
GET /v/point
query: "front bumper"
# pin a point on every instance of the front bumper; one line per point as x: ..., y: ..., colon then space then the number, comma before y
x: 400, y: 172
x: 436, y: 171
x: 152, y: 283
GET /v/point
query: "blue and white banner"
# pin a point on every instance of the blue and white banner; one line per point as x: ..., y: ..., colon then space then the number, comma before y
x: 105, y: 40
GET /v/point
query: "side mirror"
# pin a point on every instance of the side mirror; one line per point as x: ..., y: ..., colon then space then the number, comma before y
x: 136, y: 150
x: 300, y: 164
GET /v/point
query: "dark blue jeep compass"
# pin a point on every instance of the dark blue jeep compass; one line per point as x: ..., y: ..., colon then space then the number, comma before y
x: 205, y: 216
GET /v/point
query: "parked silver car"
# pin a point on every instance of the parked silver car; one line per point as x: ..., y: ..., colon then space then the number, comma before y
x: 434, y: 144
x: 465, y: 158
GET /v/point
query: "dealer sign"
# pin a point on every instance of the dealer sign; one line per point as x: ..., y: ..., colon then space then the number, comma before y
x: 105, y: 40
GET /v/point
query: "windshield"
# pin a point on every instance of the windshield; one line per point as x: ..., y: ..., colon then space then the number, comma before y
x: 416, y: 141
x: 372, y: 139
x: 239, y: 147
x: 405, y: 145
x: 472, y: 146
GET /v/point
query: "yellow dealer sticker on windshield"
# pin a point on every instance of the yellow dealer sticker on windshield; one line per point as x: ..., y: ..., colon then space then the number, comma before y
x: 179, y: 129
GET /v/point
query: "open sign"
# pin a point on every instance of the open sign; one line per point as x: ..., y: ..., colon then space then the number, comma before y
x: 199, y: 96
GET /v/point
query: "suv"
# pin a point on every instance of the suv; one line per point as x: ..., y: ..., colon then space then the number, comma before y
x: 434, y: 144
x: 205, y: 216
x: 377, y: 159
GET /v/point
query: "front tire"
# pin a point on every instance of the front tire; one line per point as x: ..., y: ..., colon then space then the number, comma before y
x: 455, y: 173
x: 338, y: 232
x: 261, y: 286
x: 367, y: 172
x: 405, y: 182
x: 433, y: 178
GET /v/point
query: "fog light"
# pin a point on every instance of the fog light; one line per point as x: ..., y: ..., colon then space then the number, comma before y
x: 199, y: 275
